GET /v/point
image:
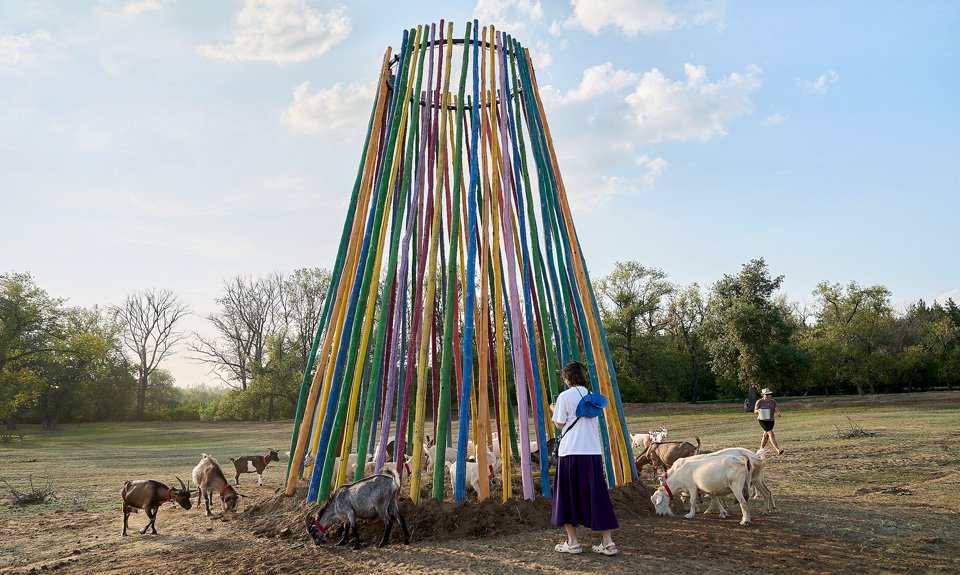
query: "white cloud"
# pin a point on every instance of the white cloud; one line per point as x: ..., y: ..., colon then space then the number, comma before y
x: 281, y: 31
x: 954, y: 293
x: 775, y: 119
x: 634, y: 17
x: 541, y: 56
x: 819, y: 86
x: 614, y: 112
x: 497, y: 12
x: 690, y: 109
x: 328, y: 109
x: 18, y: 50
x: 508, y: 16
x: 130, y: 9
x: 653, y: 168
x: 596, y: 81
x: 596, y: 192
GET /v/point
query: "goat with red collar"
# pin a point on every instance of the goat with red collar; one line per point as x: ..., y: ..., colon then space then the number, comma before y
x: 472, y: 472
x: 716, y: 476
x: 211, y: 479
x: 254, y: 464
x: 149, y: 495
x: 375, y: 496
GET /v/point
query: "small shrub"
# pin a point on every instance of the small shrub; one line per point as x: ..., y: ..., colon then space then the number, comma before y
x: 33, y: 495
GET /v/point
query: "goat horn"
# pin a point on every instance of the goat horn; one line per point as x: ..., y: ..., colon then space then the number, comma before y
x: 182, y: 486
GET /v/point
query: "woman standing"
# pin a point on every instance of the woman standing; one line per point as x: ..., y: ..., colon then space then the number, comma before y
x: 766, y: 409
x: 580, y: 495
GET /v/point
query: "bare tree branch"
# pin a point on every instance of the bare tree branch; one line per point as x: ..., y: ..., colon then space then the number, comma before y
x: 149, y: 321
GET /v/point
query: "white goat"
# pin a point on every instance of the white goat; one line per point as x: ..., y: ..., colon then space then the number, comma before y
x: 449, y: 454
x: 641, y: 441
x: 472, y: 477
x: 756, y: 477
x: 388, y: 467
x: 717, y: 476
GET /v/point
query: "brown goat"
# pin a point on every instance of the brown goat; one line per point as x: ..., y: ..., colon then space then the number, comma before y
x: 253, y: 464
x: 149, y: 495
x: 210, y: 479
x: 662, y: 455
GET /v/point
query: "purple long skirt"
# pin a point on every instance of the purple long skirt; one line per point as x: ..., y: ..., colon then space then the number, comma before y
x: 580, y: 495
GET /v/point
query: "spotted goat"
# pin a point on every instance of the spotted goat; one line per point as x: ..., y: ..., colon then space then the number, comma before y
x: 253, y: 464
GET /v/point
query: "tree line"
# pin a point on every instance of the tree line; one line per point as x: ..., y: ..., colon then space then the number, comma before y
x: 686, y: 343
x: 61, y: 363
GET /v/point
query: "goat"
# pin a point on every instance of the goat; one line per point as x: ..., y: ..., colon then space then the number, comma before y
x: 210, y: 479
x: 662, y: 455
x: 551, y: 451
x: 641, y: 441
x: 449, y: 454
x: 716, y: 476
x: 373, y: 496
x: 308, y: 460
x: 254, y: 464
x: 388, y: 467
x: 756, y: 476
x: 472, y: 473
x: 149, y: 495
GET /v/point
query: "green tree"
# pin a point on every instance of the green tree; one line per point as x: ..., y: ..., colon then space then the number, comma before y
x: 30, y: 331
x: 746, y: 330
x: 85, y: 346
x: 163, y: 394
x: 275, y: 388
x: 853, y: 329
x: 686, y: 312
x: 632, y: 301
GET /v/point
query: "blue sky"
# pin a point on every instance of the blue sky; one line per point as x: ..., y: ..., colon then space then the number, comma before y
x: 154, y: 143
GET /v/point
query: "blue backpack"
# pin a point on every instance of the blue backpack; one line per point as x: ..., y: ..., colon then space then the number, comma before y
x: 591, y: 405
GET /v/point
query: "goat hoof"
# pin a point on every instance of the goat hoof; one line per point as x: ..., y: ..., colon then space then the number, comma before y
x: 357, y: 547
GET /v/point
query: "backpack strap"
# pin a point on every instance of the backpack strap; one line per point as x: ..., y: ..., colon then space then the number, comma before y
x: 556, y: 449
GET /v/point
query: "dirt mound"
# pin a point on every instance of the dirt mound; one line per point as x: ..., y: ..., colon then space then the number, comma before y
x: 284, y: 517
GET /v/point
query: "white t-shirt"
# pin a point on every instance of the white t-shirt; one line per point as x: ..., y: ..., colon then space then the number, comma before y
x: 584, y: 438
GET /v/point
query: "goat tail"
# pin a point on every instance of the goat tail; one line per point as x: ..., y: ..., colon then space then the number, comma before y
x: 697, y: 437
x: 749, y: 476
x: 762, y: 453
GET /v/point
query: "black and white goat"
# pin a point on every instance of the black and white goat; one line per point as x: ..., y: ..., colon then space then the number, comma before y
x: 254, y: 464
x: 210, y: 479
x: 374, y: 496
x: 149, y: 495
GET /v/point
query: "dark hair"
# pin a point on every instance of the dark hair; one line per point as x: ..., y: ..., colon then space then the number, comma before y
x: 573, y: 374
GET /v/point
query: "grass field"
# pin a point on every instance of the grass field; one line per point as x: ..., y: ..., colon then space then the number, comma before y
x: 891, y: 497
